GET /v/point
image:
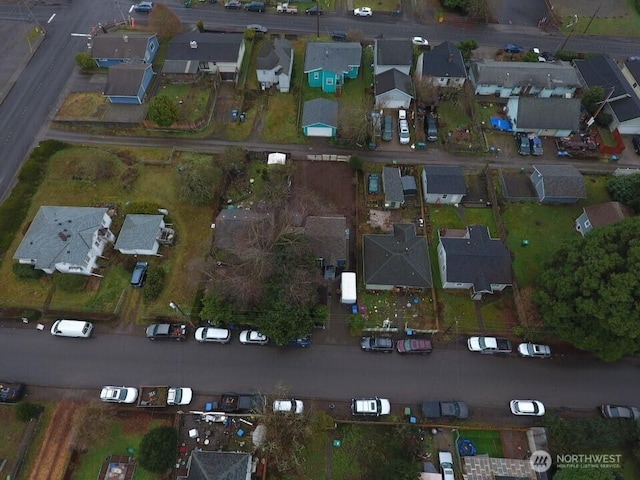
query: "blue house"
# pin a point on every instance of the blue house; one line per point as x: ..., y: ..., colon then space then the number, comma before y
x: 329, y: 64
x: 601, y: 215
x: 320, y: 118
x: 113, y: 49
x: 128, y: 82
x: 558, y: 183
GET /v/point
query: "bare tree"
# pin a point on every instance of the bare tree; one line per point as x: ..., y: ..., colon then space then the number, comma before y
x: 426, y: 92
x: 354, y: 123
x: 164, y: 21
x: 94, y: 422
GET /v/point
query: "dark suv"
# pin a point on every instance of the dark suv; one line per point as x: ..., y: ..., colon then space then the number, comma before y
x: 339, y: 36
x: 636, y: 144
x: 376, y: 344
x: 255, y: 7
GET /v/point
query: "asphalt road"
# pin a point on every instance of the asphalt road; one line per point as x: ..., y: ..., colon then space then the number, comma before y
x: 321, y: 371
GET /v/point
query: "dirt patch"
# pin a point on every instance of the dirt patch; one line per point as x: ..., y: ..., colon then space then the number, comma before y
x: 55, y: 451
x: 384, y: 219
x: 137, y: 422
x: 514, y: 444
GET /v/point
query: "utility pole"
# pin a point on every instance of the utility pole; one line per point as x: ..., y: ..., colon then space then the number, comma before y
x: 317, y: 19
x: 592, y: 17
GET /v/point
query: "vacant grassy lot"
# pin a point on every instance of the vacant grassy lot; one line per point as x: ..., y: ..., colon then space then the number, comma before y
x: 282, y: 119
x: 11, y: 432
x: 83, y: 105
x: 191, y: 100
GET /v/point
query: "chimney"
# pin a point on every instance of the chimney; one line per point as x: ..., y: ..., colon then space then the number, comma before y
x: 125, y: 38
x: 450, y: 57
x: 193, y: 44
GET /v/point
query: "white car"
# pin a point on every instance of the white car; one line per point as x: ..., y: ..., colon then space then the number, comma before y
x: 363, y: 12
x: 541, y: 58
x: 402, y: 114
x: 370, y: 406
x: 532, y: 408
x: 446, y: 465
x: 119, y: 394
x: 534, y: 350
x: 253, y: 337
x: 179, y: 396
x: 288, y: 406
x: 419, y: 41
x: 405, y: 135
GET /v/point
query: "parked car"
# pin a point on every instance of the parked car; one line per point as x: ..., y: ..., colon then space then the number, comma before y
x: 513, y: 48
x: 255, y: 7
x: 535, y: 144
x: 548, y: 56
x: 363, y: 12
x: 431, y: 128
x: 419, y: 41
x: 301, y: 342
x: 376, y: 344
x: 257, y: 28
x: 403, y: 132
x: 213, y: 334
x: 374, y: 183
x: 620, y: 411
x: 449, y: 409
x: 373, y: 407
x: 537, y: 52
x: 179, y: 396
x: 166, y: 331
x: 315, y: 10
x: 139, y: 274
x: 534, y: 350
x: 532, y: 408
x: 119, y: 394
x: 446, y: 465
x: 339, y: 36
x: 636, y: 144
x: 522, y: 142
x: 233, y: 5
x: 414, y: 346
x: 11, y: 392
x: 253, y: 337
x: 143, y: 7
x: 288, y: 406
x: 387, y: 128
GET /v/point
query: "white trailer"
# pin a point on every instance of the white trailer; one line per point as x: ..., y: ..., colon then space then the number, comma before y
x: 348, y: 288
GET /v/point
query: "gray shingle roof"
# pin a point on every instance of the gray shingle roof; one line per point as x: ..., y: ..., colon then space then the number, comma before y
x: 132, y: 45
x: 549, y: 113
x: 234, y: 227
x: 124, y: 80
x: 562, y: 181
x: 409, y: 185
x: 320, y: 111
x: 139, y: 232
x: 211, y: 47
x: 205, y: 465
x: 444, y: 180
x: 392, y: 185
x: 60, y: 235
x: 393, y: 80
x: 400, y: 259
x: 444, y: 60
x: 394, y: 52
x: 607, y: 213
x: 478, y: 259
x: 337, y: 57
x: 602, y: 70
x: 327, y: 236
x: 513, y: 74
x: 275, y: 53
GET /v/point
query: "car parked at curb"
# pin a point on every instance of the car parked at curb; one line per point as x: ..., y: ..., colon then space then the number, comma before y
x: 414, y: 346
x: 167, y: 331
x: 11, y: 392
x: 255, y: 7
x: 534, y: 350
x: 532, y: 408
x: 303, y: 342
x: 253, y: 337
x: 112, y: 394
x: 338, y: 36
x: 288, y: 406
x: 376, y: 344
x: 513, y: 48
x: 620, y: 411
x: 372, y: 407
x: 213, y: 334
x: 233, y: 5
x: 363, y: 12
x: 419, y: 41
x: 257, y: 28
x: 143, y: 7
x: 315, y: 10
x: 179, y: 396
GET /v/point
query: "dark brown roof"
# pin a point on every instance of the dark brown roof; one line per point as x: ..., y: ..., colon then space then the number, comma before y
x: 607, y: 213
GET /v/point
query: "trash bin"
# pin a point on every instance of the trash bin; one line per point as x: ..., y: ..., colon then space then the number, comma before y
x: 354, y: 308
x: 187, y: 3
x: 525, y: 243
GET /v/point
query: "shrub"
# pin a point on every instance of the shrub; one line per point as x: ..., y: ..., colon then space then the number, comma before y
x: 158, y: 449
x: 69, y: 282
x: 356, y: 324
x: 155, y: 283
x: 25, y: 411
x: 26, y: 272
x: 128, y: 177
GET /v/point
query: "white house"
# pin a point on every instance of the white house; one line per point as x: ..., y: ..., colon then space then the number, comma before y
x: 393, y: 89
x: 443, y: 66
x: 443, y: 184
x: 143, y: 234
x: 274, y: 65
x: 388, y: 54
x: 66, y: 239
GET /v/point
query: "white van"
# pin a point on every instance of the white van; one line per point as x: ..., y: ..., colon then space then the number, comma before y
x: 72, y: 328
x: 213, y: 334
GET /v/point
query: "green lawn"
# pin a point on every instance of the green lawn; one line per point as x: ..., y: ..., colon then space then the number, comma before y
x: 280, y: 124
x: 191, y: 100
x: 624, y: 25
x: 11, y: 432
x: 486, y: 441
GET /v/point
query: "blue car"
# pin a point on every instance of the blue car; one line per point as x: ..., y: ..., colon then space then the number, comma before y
x: 513, y: 48
x: 301, y: 342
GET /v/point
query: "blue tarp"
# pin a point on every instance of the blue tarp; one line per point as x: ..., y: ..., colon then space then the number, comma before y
x: 501, y: 124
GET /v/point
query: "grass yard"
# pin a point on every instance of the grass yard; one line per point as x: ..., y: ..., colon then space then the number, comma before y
x: 11, y: 432
x: 458, y: 312
x: 379, y: 5
x: 83, y: 105
x: 486, y: 441
x: 191, y: 100
x: 281, y: 121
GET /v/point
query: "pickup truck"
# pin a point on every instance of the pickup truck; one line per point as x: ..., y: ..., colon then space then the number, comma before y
x: 241, y: 403
x: 167, y: 331
x: 489, y: 345
x: 445, y: 410
x: 286, y: 8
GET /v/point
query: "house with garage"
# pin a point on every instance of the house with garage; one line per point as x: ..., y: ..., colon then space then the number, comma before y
x: 66, y: 239
x: 393, y: 89
x: 392, y: 55
x: 143, y: 234
x: 238, y: 229
x: 196, y: 53
x: 544, y: 117
x: 601, y: 215
x: 215, y: 465
x: 274, y: 65
x: 128, y: 83
x: 329, y: 65
x: 329, y: 239
x: 443, y: 184
x: 511, y: 79
x: 392, y: 187
x: 114, y: 48
x: 620, y: 85
x: 320, y: 118
x: 442, y: 66
x: 471, y: 260
x: 558, y: 183
x: 399, y: 259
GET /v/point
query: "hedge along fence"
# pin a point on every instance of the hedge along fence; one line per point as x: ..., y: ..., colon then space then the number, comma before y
x: 13, y: 211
